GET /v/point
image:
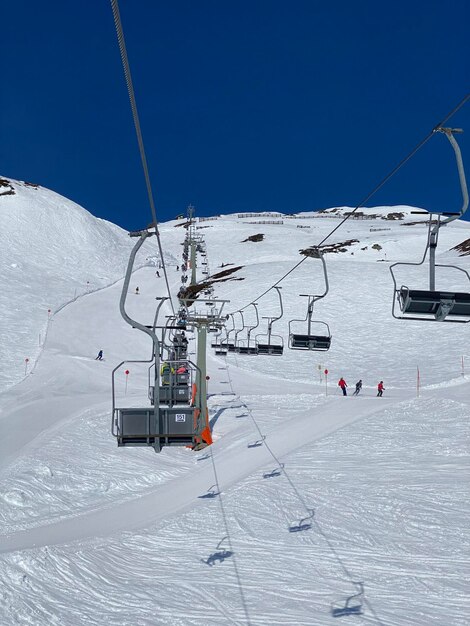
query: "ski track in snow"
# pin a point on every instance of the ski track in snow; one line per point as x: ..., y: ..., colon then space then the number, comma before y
x: 90, y: 534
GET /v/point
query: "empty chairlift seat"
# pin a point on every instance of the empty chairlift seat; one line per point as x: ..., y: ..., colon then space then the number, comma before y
x: 167, y: 426
x: 310, y: 342
x: 247, y: 350
x: 437, y: 304
x: 317, y: 337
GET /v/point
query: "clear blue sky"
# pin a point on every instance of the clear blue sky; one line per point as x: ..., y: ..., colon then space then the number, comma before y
x: 247, y: 105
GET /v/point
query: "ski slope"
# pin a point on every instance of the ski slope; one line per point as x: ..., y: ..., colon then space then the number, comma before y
x: 301, y: 496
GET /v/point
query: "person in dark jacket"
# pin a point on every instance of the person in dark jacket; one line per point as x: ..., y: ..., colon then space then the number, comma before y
x: 100, y: 356
x: 380, y: 389
x: 358, y: 388
x: 343, y: 385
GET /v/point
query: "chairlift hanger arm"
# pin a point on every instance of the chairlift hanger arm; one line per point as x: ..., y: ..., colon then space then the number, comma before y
x: 144, y: 234
x: 243, y: 325
x: 255, y: 306
x: 449, y: 133
x: 275, y: 319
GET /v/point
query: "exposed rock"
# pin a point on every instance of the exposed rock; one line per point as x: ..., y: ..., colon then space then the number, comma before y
x: 463, y: 248
x: 258, y: 237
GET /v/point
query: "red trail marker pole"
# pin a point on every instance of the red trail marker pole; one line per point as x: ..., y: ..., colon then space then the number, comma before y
x: 127, y: 376
x: 326, y: 382
x: 26, y: 361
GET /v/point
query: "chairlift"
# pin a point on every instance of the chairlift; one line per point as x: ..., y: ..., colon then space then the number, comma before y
x: 220, y: 348
x: 310, y: 340
x: 175, y: 386
x: 432, y: 304
x: 229, y: 344
x: 253, y: 350
x: 236, y: 340
x: 160, y: 424
x: 216, y: 342
x: 264, y: 342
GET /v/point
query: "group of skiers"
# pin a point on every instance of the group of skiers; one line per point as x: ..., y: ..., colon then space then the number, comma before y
x: 342, y: 383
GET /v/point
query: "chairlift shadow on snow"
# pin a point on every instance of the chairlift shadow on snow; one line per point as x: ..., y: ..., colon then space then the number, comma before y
x: 215, y: 417
x: 219, y: 555
x: 203, y: 458
x: 258, y: 443
x: 241, y: 415
x: 353, y: 604
x: 211, y: 493
x: 277, y: 471
x: 303, y: 524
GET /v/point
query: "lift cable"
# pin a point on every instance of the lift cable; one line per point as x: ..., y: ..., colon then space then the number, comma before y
x: 135, y: 115
x: 310, y: 512
x: 370, y: 194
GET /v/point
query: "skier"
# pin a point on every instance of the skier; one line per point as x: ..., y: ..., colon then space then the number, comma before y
x: 343, y: 385
x: 358, y: 388
x: 380, y: 389
x: 137, y: 291
x: 158, y: 274
x: 165, y: 371
x: 177, y: 268
x: 100, y: 356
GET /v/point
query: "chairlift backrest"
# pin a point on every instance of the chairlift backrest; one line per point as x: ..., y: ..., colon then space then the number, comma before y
x: 264, y: 341
x: 434, y: 304
x: 309, y: 340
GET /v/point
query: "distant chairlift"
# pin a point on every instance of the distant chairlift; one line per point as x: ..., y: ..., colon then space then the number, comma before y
x: 268, y: 343
x: 230, y: 344
x: 219, y: 346
x: 236, y: 342
x: 253, y: 350
x: 432, y: 304
x: 310, y: 340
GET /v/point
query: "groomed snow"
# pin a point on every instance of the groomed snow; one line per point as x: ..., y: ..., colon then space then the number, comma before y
x: 317, y: 492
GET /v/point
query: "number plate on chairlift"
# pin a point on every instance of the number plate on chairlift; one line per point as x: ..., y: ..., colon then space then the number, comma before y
x: 180, y: 417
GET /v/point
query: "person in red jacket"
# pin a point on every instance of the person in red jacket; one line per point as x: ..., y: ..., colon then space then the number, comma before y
x: 380, y: 389
x: 343, y: 385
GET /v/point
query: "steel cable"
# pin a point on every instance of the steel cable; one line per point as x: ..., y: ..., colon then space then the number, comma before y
x: 135, y: 115
x: 370, y: 194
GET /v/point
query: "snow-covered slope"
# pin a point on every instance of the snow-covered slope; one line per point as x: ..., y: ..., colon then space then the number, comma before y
x: 316, y: 491
x: 51, y: 251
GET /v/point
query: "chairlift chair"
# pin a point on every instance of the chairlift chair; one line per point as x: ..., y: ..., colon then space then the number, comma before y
x: 229, y: 344
x: 216, y: 342
x: 251, y: 350
x: 160, y: 424
x: 432, y: 304
x: 309, y: 340
x: 175, y: 388
x: 264, y: 342
x: 236, y: 342
x: 220, y: 347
